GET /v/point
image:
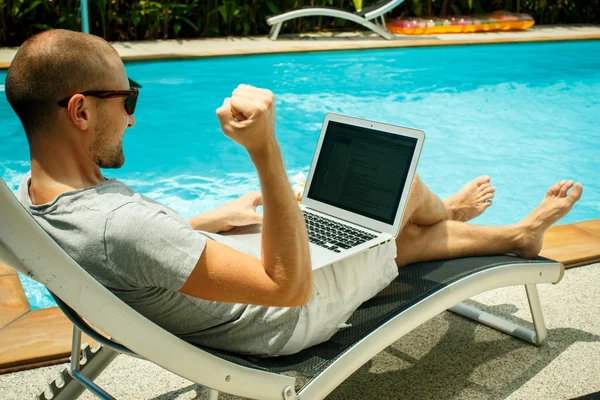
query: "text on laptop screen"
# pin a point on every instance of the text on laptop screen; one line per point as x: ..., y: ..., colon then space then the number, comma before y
x: 362, y: 170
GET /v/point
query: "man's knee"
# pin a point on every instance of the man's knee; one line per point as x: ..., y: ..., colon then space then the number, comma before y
x: 417, y: 194
x: 415, y: 183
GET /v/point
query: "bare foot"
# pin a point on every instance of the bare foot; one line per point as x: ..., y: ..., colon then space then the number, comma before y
x: 472, y: 200
x: 555, y: 205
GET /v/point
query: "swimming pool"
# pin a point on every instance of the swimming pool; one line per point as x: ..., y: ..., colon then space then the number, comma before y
x: 527, y: 114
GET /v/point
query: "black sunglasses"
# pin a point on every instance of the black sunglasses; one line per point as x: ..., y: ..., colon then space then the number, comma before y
x: 130, y: 101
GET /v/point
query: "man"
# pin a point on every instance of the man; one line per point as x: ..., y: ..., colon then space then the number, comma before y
x: 71, y: 93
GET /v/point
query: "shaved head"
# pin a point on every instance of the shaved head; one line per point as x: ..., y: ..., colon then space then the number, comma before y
x: 53, y: 65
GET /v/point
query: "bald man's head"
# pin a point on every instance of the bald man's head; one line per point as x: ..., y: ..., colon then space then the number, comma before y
x: 53, y: 65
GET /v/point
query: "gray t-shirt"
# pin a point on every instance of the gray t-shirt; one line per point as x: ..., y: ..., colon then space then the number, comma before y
x: 144, y: 252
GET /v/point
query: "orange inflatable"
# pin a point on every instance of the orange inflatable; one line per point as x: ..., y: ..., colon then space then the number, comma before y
x: 496, y: 21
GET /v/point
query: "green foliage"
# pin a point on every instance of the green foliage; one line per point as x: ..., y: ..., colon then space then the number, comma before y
x: 148, y: 19
x: 543, y: 11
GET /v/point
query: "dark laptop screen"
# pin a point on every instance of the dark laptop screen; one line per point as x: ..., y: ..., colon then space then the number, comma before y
x: 362, y: 170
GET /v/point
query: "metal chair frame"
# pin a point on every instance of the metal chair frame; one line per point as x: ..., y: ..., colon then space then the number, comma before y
x: 363, y: 17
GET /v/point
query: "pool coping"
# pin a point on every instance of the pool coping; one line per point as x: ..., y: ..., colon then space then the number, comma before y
x: 49, y: 343
x: 313, y: 42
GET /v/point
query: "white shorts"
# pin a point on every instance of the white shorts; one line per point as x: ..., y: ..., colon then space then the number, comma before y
x: 338, y: 290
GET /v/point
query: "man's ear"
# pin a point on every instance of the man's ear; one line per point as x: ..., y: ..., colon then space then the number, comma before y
x: 79, y: 111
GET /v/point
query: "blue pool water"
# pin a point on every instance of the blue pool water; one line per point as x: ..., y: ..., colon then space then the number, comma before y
x: 528, y: 115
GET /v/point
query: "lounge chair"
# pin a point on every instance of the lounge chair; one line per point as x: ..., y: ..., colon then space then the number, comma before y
x: 420, y: 292
x: 363, y: 17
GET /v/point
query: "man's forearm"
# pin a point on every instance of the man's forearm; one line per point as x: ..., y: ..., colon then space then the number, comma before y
x: 285, y: 251
x: 248, y: 118
x: 212, y: 221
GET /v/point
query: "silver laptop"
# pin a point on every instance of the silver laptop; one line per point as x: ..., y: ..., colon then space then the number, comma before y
x: 357, y: 187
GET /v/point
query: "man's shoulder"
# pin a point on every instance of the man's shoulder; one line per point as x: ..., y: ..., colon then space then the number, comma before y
x: 117, y: 199
x: 111, y: 203
x: 105, y: 197
x: 110, y: 196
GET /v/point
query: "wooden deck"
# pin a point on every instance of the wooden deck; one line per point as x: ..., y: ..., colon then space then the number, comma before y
x: 30, y: 339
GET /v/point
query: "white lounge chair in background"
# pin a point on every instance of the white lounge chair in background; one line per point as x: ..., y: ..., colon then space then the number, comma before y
x: 363, y: 17
x: 420, y: 292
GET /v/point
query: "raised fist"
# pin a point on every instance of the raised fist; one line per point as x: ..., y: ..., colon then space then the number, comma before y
x: 248, y: 117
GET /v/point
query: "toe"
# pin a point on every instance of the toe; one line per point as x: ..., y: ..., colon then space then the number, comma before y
x: 487, y: 197
x: 564, y: 188
x: 487, y: 189
x: 483, y: 179
x: 554, y: 189
x: 576, y: 192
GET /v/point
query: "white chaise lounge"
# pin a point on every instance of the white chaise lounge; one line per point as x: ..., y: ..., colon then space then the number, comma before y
x: 363, y: 17
x: 419, y: 293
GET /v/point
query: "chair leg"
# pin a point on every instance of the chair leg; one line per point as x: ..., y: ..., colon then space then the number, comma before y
x: 536, y: 336
x: 380, y: 30
x: 275, y: 31
x: 213, y: 394
x: 536, y: 314
x: 74, y: 380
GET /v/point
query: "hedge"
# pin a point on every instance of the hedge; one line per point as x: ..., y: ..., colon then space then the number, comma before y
x: 144, y: 19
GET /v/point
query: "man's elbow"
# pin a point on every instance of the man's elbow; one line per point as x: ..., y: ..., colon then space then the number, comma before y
x: 300, y: 294
x: 305, y: 285
x: 302, y: 297
x: 298, y: 299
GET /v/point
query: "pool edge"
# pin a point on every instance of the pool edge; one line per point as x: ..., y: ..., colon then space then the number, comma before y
x: 237, y: 46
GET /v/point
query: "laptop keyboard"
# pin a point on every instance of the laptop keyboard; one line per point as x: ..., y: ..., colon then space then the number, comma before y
x: 333, y: 235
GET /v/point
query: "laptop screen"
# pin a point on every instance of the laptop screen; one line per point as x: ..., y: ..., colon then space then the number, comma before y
x: 362, y: 170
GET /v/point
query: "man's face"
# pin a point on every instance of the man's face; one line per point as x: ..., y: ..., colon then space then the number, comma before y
x: 111, y: 122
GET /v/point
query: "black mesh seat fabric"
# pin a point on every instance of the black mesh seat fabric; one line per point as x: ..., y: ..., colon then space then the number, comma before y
x: 414, y: 283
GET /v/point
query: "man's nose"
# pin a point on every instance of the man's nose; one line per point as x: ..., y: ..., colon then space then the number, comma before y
x: 131, y: 121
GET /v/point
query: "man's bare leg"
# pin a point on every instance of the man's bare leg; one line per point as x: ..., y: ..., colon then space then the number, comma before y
x: 425, y: 208
x: 451, y: 239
